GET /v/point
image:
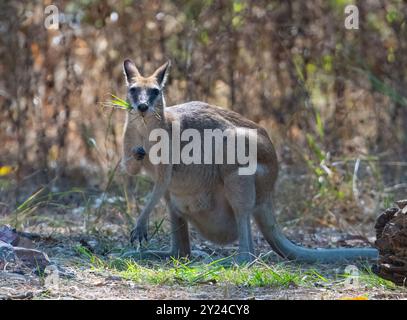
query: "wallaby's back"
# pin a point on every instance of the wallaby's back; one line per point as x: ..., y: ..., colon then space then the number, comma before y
x: 200, y: 116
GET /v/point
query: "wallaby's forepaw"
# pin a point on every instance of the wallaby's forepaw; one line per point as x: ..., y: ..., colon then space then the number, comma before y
x: 139, y: 233
x: 139, y: 153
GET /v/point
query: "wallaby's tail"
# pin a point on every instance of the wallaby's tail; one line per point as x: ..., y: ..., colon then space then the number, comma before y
x: 272, y: 232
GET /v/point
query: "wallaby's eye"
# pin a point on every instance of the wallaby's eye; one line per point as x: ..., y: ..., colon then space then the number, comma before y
x: 154, y: 92
x: 134, y: 90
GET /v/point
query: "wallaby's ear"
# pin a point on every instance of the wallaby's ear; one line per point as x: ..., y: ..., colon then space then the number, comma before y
x: 130, y: 70
x: 161, y: 74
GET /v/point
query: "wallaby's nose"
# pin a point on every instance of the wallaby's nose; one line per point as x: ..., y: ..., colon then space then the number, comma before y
x: 142, y: 107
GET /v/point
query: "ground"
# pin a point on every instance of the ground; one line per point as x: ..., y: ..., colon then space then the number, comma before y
x: 85, y: 233
x: 91, y: 266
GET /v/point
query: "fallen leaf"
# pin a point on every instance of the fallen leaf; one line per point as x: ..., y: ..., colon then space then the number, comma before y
x: 354, y: 298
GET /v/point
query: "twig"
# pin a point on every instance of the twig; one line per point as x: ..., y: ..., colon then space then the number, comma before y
x: 355, y: 181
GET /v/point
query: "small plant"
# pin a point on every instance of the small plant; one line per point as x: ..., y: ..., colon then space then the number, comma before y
x: 95, y: 261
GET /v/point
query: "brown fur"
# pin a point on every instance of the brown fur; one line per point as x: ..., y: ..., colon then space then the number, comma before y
x: 214, y: 198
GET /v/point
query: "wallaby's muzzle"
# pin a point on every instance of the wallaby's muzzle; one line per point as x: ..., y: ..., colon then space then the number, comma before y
x: 142, y: 107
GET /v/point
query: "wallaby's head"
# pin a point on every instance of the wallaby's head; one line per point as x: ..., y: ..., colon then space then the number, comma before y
x: 145, y: 94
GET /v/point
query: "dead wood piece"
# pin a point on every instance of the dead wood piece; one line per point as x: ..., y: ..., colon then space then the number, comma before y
x: 32, y: 258
x: 391, y: 234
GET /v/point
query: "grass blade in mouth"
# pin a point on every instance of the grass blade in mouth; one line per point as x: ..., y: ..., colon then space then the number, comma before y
x: 117, y: 103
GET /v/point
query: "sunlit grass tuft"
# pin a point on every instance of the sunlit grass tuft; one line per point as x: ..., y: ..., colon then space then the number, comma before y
x: 180, y: 273
x: 371, y: 280
x: 185, y: 272
x: 260, y: 274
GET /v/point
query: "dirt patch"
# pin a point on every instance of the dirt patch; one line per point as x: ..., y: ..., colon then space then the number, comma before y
x: 80, y: 278
x: 83, y: 248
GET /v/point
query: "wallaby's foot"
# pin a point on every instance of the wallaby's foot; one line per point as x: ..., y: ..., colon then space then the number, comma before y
x: 227, y: 262
x: 147, y: 254
x: 243, y: 258
x: 152, y: 254
x: 139, y: 233
x: 201, y: 255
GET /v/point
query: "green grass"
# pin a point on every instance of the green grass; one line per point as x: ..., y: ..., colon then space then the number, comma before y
x: 371, y: 281
x: 178, y: 272
x: 259, y: 274
x: 27, y: 211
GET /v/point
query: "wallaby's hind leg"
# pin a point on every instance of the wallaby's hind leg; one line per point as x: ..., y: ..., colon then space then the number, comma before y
x: 240, y: 192
x: 180, y: 245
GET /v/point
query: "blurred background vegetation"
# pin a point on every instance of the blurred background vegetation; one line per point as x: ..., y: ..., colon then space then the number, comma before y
x: 333, y: 100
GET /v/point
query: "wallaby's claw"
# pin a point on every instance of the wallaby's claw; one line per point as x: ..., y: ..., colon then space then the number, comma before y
x: 139, y: 233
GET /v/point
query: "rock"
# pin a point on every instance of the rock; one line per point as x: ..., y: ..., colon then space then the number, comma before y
x: 32, y: 258
x: 25, y: 243
x: 17, y: 239
x: 6, y: 253
x: 391, y: 235
x: 16, y: 249
x: 9, y: 235
x: 28, y: 257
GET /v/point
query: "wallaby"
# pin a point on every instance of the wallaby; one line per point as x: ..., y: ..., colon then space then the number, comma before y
x: 214, y: 198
